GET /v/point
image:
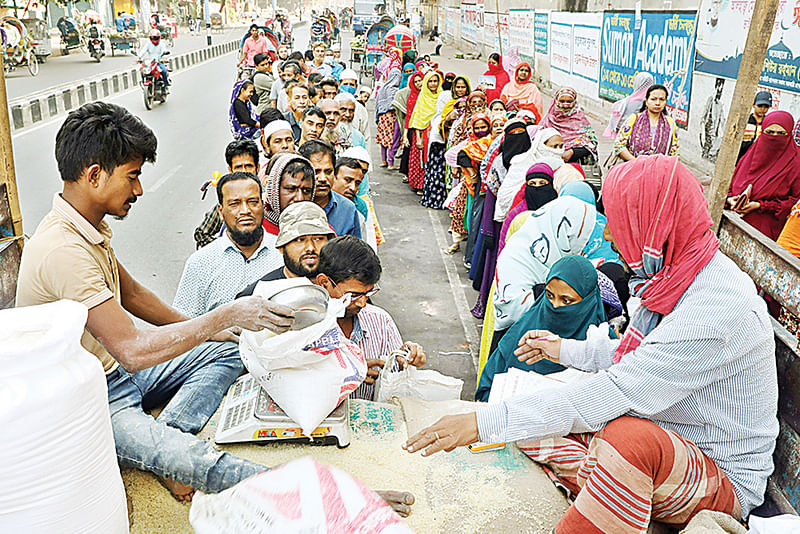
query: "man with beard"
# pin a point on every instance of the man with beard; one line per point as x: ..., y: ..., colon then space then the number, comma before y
x: 289, y: 179
x: 349, y: 266
x: 331, y: 134
x: 349, y: 84
x: 276, y: 133
x: 241, y: 156
x: 347, y: 130
x: 214, y: 274
x: 100, y: 150
x: 304, y: 230
x: 313, y: 124
x: 341, y: 213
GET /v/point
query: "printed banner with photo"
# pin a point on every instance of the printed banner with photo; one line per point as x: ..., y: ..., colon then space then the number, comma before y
x: 662, y: 46
x: 575, y: 51
x: 721, y: 33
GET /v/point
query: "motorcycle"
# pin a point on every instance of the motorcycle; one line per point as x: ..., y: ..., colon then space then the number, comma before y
x: 153, y: 87
x: 95, y: 44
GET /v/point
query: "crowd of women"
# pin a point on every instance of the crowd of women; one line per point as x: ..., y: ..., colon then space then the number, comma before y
x: 489, y: 151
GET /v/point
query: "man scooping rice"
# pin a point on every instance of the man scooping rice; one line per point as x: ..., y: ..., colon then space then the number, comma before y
x: 696, y: 369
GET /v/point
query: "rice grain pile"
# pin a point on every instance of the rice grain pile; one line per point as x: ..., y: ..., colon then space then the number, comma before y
x: 456, y: 492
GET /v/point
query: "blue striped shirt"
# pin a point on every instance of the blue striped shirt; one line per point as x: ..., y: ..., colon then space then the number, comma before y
x: 707, y: 372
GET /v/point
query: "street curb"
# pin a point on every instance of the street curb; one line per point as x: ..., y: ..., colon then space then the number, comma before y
x: 30, y: 110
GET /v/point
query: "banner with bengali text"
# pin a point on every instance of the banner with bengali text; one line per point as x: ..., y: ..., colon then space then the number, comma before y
x: 541, y: 30
x: 520, y: 31
x: 663, y: 45
x: 574, y: 42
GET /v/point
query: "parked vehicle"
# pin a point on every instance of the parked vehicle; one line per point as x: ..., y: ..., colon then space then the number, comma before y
x: 153, y: 87
x: 40, y: 38
x: 70, y: 36
x: 17, y: 46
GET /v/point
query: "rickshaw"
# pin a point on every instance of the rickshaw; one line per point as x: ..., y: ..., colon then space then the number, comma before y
x: 400, y: 37
x: 40, y: 38
x: 375, y: 35
x: 216, y: 23
x: 70, y: 36
x: 17, y: 46
x: 245, y: 71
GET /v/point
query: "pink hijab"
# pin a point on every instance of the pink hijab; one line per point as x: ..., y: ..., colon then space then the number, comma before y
x: 570, y: 122
x: 660, y: 222
x: 525, y: 92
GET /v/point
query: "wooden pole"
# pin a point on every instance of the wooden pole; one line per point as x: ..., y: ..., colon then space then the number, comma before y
x: 755, y: 50
x: 7, y: 173
x: 499, y: 35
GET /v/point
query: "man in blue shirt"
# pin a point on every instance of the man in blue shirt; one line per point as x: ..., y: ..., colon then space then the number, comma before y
x: 341, y: 213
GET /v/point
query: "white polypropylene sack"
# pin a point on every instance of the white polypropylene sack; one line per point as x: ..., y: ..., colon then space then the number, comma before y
x: 780, y: 524
x: 307, y: 372
x: 425, y: 384
x: 60, y: 471
x: 302, y: 496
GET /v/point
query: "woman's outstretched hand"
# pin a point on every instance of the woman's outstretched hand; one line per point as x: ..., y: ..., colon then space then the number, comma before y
x: 537, y: 345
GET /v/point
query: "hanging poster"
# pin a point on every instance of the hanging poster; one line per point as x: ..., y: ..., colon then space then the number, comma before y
x: 540, y: 31
x: 492, y: 24
x: 575, y: 51
x: 663, y: 46
x: 520, y: 29
x: 719, y: 51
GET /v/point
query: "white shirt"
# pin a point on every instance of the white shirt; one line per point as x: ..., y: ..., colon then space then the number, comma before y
x: 151, y: 51
x: 214, y: 274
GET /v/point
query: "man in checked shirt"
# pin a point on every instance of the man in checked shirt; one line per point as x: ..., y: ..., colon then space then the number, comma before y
x: 348, y: 265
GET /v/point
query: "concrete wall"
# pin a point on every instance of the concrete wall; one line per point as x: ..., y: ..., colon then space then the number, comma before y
x: 708, y: 97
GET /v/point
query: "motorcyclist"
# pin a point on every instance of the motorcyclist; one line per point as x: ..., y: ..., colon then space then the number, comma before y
x: 155, y: 50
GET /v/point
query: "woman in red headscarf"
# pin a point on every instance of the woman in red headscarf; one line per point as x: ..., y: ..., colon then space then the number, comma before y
x: 523, y: 92
x: 414, y: 85
x: 766, y: 182
x: 499, y: 74
x: 696, y: 367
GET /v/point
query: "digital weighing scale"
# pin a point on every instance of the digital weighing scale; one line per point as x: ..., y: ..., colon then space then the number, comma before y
x: 250, y: 415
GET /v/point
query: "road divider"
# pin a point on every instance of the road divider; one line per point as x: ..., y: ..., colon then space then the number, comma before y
x: 43, y: 105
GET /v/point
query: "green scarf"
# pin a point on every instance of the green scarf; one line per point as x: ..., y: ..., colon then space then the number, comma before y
x: 568, y: 322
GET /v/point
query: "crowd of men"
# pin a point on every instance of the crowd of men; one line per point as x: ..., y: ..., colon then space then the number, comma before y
x: 294, y: 203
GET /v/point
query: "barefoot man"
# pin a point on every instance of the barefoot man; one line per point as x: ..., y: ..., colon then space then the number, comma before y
x: 186, y: 363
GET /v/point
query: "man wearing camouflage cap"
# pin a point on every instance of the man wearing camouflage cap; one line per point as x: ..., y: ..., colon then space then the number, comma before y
x: 304, y: 230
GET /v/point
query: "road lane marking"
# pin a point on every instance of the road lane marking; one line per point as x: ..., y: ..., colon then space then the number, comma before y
x: 462, y: 307
x: 62, y: 116
x: 161, y: 181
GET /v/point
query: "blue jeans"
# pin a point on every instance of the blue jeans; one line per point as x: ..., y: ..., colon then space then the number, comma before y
x: 163, y: 68
x: 196, y: 382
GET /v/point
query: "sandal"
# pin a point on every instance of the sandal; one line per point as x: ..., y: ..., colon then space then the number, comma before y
x: 405, y: 180
x: 384, y: 164
x: 453, y: 249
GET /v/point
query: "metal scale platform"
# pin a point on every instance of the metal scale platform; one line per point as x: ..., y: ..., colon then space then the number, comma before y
x: 250, y: 415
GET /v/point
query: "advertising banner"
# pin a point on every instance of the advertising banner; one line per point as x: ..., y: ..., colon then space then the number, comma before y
x: 721, y: 33
x: 442, y: 15
x: 491, y: 38
x: 662, y: 46
x: 540, y: 31
x: 453, y: 16
x: 469, y: 23
x: 520, y: 30
x: 574, y: 43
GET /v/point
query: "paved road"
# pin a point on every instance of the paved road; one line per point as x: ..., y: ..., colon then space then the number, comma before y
x: 425, y: 291
x: 78, y: 65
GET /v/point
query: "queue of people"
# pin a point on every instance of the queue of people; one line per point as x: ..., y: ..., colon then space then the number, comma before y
x: 624, y: 282
x: 615, y: 282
